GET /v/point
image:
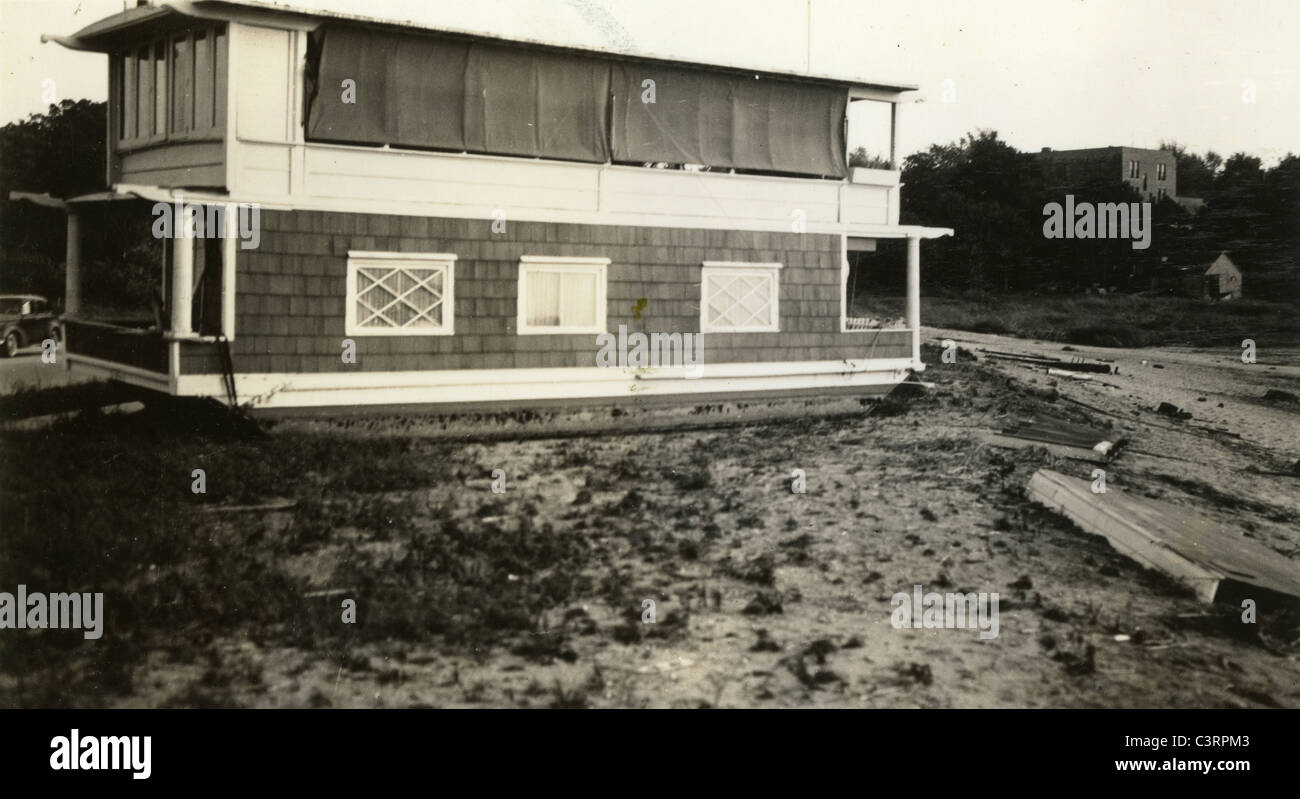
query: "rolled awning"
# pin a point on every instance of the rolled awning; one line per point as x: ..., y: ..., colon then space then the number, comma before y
x: 725, y: 120
x: 448, y: 93
x: 443, y: 93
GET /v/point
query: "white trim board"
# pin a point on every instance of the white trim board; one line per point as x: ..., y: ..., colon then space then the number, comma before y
x: 108, y: 370
x: 485, y: 386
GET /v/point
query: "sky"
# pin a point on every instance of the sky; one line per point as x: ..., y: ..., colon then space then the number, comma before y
x: 1220, y: 75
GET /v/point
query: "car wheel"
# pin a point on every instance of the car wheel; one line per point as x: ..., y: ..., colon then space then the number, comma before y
x: 11, y: 345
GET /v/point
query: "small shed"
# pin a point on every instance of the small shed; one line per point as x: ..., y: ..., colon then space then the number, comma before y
x: 1214, y: 278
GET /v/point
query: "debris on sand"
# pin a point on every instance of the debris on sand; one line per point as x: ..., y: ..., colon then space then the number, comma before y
x: 1172, y: 411
x: 1058, y: 437
x: 764, y: 642
x: 764, y: 603
x: 1278, y: 395
x: 1080, y: 660
x: 1071, y: 365
x: 914, y: 673
x: 1187, y: 546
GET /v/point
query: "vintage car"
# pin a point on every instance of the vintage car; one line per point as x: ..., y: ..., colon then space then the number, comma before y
x: 26, y: 319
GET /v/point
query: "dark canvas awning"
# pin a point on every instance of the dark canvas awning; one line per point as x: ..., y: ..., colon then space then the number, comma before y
x: 429, y: 91
x: 422, y: 91
x: 725, y: 120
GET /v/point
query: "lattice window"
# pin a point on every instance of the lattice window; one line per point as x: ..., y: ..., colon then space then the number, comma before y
x: 561, y: 294
x: 400, y: 294
x: 740, y: 298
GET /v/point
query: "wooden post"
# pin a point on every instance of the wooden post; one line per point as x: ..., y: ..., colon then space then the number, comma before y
x: 72, y: 279
x: 182, y: 273
x: 914, y: 296
x: 893, y: 136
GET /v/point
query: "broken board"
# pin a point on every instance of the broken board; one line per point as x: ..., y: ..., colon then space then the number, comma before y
x: 1059, y: 437
x: 1189, y: 547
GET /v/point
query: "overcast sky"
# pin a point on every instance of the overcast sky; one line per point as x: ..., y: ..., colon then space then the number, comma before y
x: 1043, y: 73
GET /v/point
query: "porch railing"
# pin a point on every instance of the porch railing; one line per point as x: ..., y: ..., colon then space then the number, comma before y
x: 124, y: 344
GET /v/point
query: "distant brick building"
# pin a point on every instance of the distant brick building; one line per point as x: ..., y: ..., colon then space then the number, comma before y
x: 1154, y: 173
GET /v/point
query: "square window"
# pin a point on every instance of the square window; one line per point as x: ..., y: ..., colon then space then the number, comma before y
x: 400, y: 294
x: 561, y: 295
x: 740, y: 297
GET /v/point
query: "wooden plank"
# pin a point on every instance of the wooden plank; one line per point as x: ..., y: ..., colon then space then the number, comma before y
x: 1060, y: 450
x: 1188, y: 546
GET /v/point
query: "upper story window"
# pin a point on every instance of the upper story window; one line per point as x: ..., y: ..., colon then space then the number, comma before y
x: 1133, y: 169
x: 1160, y: 171
x: 561, y: 295
x: 172, y: 88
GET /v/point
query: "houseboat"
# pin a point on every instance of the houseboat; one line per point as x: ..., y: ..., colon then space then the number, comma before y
x: 418, y: 215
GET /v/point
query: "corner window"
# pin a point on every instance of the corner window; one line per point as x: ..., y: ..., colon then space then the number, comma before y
x: 561, y: 295
x: 400, y: 294
x: 172, y: 88
x: 740, y: 297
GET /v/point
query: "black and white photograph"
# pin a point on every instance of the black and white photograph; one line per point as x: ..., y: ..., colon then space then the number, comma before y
x: 650, y: 355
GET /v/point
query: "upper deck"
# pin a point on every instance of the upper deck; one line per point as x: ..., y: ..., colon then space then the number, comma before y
x: 303, y: 110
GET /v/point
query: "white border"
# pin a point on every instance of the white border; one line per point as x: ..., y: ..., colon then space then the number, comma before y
x: 570, y: 264
x: 770, y: 270
x: 358, y: 258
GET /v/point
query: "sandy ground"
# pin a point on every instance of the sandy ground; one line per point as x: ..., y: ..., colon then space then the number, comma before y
x: 770, y: 598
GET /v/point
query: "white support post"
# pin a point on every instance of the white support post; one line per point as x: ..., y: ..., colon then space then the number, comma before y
x: 72, y: 280
x: 228, y: 254
x: 893, y: 136
x: 914, y: 297
x: 182, y: 273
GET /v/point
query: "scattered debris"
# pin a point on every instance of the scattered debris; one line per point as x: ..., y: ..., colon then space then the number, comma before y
x: 1073, y: 364
x: 273, y: 504
x: 1172, y: 411
x: 1060, y: 438
x: 1278, y: 395
x: 1070, y: 374
x: 1183, y: 544
x: 764, y: 603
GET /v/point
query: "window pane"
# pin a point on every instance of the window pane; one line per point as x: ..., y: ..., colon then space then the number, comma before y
x: 579, y: 299
x: 740, y: 301
x: 160, y: 88
x: 144, y: 92
x: 182, y: 85
x: 202, y: 82
x: 124, y: 93
x: 219, y: 79
x: 400, y: 296
x: 542, y: 303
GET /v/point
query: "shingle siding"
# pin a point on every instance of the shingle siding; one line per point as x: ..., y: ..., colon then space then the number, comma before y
x: 291, y: 294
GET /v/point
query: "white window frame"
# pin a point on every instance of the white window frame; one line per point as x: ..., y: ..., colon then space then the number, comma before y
x: 562, y: 264
x: 421, y: 260
x: 771, y: 271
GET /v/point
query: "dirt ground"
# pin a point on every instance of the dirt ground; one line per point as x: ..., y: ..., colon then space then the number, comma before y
x: 764, y: 597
